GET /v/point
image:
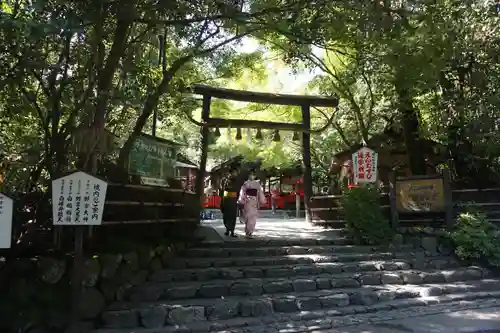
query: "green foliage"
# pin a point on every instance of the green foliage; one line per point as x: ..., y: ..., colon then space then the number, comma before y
x: 475, y: 238
x: 365, y: 221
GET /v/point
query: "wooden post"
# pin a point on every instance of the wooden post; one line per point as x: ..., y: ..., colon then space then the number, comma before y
x: 297, y: 201
x: 448, y: 200
x: 306, y: 159
x: 200, y: 177
x: 392, y: 201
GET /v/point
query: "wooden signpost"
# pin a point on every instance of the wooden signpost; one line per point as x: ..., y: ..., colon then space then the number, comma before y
x: 78, y: 201
x: 6, y: 210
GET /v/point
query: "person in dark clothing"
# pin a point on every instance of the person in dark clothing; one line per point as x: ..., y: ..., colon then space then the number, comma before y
x: 229, y: 206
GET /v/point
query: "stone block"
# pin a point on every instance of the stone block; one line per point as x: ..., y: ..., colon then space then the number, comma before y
x: 434, y: 277
x: 298, y: 250
x: 186, y: 315
x: 109, y: 264
x: 153, y: 317
x: 214, y: 290
x: 231, y: 274
x: 386, y: 295
x: 144, y: 294
x: 251, y: 272
x: 370, y: 280
x: 161, y: 276
x: 303, y: 285
x: 278, y: 287
x: 50, y: 270
x: 223, y: 310
x: 350, y: 268
x: 155, y: 265
x: 279, y: 272
x: 306, y: 270
x: 391, y: 278
x: 308, y: 303
x: 332, y: 268
x: 181, y: 292
x: 121, y: 319
x: 412, y: 278
x: 363, y: 298
x: 337, y: 300
x: 429, y: 244
x: 256, y: 308
x: 206, y: 274
x: 345, y: 283
x: 245, y: 289
x: 367, y: 267
x: 323, y: 283
x: 285, y: 304
x: 91, y: 304
x: 132, y: 260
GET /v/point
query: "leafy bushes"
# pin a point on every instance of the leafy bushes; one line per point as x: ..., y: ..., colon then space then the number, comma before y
x: 365, y: 222
x: 475, y: 238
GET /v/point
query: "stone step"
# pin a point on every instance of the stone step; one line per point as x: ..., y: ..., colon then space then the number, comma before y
x: 236, y: 272
x: 254, y: 311
x: 180, y: 263
x: 226, y: 251
x: 258, y: 242
x: 153, y: 291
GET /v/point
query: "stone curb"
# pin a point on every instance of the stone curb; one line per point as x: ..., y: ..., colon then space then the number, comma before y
x: 261, y: 286
x: 238, y: 272
x: 263, y: 308
x: 315, y: 321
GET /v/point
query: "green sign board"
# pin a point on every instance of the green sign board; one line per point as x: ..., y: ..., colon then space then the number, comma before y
x: 153, y: 159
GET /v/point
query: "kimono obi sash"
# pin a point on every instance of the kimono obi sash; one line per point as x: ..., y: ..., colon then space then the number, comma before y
x: 251, y: 192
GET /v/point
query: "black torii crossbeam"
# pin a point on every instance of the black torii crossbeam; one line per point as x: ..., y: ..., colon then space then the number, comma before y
x: 305, y: 102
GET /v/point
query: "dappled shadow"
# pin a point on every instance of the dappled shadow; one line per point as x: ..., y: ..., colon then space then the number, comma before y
x: 279, y: 229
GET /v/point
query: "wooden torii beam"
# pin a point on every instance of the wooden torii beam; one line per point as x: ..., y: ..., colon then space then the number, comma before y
x: 305, y: 102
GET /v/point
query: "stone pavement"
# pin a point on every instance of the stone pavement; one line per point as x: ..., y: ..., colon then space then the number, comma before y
x: 479, y: 320
x: 278, y: 228
x: 295, y: 277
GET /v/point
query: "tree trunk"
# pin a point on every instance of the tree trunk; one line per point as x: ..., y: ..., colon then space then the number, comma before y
x: 411, y: 129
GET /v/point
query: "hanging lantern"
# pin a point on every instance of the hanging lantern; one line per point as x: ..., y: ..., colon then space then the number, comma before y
x: 217, y: 132
x: 238, y: 134
x: 229, y: 134
x: 276, y: 136
x: 258, y: 136
x: 249, y: 136
x: 295, y: 136
x: 211, y: 138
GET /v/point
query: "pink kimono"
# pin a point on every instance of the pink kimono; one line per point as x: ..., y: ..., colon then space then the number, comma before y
x: 251, y: 197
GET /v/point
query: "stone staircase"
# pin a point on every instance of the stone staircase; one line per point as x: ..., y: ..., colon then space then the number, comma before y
x: 297, y: 285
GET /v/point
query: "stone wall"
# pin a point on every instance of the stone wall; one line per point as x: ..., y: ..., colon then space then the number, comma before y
x: 428, y: 241
x: 38, y: 289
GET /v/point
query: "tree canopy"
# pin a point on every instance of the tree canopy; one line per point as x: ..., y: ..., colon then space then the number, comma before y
x: 429, y: 69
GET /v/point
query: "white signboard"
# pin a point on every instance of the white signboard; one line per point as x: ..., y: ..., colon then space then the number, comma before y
x: 78, y: 199
x: 6, y: 204
x: 364, y: 166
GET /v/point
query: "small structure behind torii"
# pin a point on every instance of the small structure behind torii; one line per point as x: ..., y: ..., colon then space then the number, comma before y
x: 305, y: 102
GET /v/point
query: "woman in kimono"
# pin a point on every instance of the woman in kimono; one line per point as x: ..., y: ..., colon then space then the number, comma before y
x: 251, y: 198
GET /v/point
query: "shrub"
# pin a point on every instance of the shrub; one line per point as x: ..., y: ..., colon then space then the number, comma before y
x: 476, y: 238
x: 365, y: 221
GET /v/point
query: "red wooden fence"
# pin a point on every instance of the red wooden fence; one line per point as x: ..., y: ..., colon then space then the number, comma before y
x: 215, y: 201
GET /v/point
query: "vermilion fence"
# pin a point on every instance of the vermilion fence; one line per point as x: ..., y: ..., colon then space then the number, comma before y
x: 215, y: 201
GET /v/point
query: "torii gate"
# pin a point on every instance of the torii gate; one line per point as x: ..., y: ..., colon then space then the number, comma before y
x: 305, y: 102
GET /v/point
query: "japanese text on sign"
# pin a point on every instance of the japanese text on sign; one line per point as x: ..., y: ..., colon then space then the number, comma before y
x: 78, y: 199
x: 420, y: 195
x: 364, y: 163
x: 6, y: 205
